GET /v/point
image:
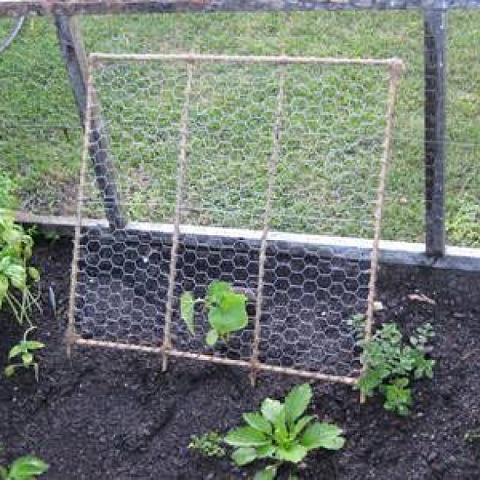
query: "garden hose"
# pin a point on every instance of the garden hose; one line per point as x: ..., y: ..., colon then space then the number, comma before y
x: 13, y: 34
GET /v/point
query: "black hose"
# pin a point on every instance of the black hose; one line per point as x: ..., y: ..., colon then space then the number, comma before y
x: 13, y: 34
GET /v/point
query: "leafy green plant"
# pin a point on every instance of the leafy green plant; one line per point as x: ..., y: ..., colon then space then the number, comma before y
x: 390, y: 364
x: 24, y: 350
x: 24, y: 468
x: 226, y: 311
x: 8, y: 188
x: 15, y: 274
x: 210, y: 444
x: 282, y: 433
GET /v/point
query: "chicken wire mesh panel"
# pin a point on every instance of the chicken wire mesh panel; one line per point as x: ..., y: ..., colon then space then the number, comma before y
x: 349, y: 34
x: 462, y: 129
x: 206, y: 155
x: 40, y: 134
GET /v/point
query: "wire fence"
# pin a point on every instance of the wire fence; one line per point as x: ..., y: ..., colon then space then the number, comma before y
x: 272, y: 154
x: 40, y: 135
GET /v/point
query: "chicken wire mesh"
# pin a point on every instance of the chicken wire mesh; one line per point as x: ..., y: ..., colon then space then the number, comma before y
x: 40, y: 135
x: 200, y: 168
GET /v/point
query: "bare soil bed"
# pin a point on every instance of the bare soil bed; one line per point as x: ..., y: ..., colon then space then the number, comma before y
x: 114, y: 415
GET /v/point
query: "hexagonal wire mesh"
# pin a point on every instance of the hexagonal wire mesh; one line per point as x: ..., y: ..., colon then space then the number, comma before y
x: 232, y: 168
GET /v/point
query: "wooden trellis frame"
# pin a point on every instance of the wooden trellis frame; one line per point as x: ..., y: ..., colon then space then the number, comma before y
x: 395, y: 69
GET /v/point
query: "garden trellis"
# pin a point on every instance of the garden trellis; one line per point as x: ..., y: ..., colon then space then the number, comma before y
x: 128, y: 208
x: 207, y: 156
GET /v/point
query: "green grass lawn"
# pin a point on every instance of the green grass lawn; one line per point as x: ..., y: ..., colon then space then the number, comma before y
x: 40, y: 142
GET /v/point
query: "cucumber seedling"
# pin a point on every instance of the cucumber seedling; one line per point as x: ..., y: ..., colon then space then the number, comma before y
x: 226, y: 311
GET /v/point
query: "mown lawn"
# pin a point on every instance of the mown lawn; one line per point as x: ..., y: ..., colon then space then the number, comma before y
x: 319, y: 183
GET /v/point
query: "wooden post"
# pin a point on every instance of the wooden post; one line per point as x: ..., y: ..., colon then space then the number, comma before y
x: 75, y: 58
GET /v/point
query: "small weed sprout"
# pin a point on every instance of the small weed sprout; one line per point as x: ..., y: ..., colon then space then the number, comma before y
x: 24, y: 351
x: 390, y: 364
x: 280, y: 432
x: 210, y: 444
x: 226, y: 311
x: 24, y: 468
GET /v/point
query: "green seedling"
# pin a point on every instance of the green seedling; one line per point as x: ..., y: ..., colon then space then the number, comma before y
x: 226, y: 311
x: 210, y: 444
x: 25, y: 352
x: 280, y: 432
x: 24, y: 468
x: 390, y: 364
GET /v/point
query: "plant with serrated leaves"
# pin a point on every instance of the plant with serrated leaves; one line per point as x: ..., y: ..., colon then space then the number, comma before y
x: 24, y: 468
x: 15, y: 272
x: 226, y: 311
x: 281, y: 432
x: 24, y: 351
x: 390, y: 363
x: 210, y: 444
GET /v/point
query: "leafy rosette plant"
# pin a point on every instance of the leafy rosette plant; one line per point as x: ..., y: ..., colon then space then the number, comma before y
x: 282, y: 433
x: 226, y: 311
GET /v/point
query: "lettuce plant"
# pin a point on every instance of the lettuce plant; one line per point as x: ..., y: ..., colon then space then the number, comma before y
x: 282, y: 433
x: 226, y: 311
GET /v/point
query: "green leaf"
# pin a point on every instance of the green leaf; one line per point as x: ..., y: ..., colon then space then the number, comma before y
x: 258, y: 422
x: 34, y: 274
x: 211, y: 338
x: 323, y: 435
x: 16, y: 350
x: 296, y: 453
x: 296, y: 402
x: 34, y: 345
x: 244, y: 455
x: 300, y: 425
x: 267, y: 473
x: 230, y: 315
x: 27, y: 467
x: 9, y: 370
x: 27, y: 359
x: 187, y: 305
x: 216, y: 291
x: 3, y: 287
x: 280, y: 428
x: 266, y: 451
x: 13, y: 234
x: 246, y: 437
x: 271, y: 409
x: 398, y: 397
x: 17, y: 275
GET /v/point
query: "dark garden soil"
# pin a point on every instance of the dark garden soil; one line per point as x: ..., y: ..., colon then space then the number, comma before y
x: 114, y: 415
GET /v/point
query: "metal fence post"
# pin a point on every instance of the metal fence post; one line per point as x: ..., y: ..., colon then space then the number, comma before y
x: 435, y: 25
x: 74, y: 56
